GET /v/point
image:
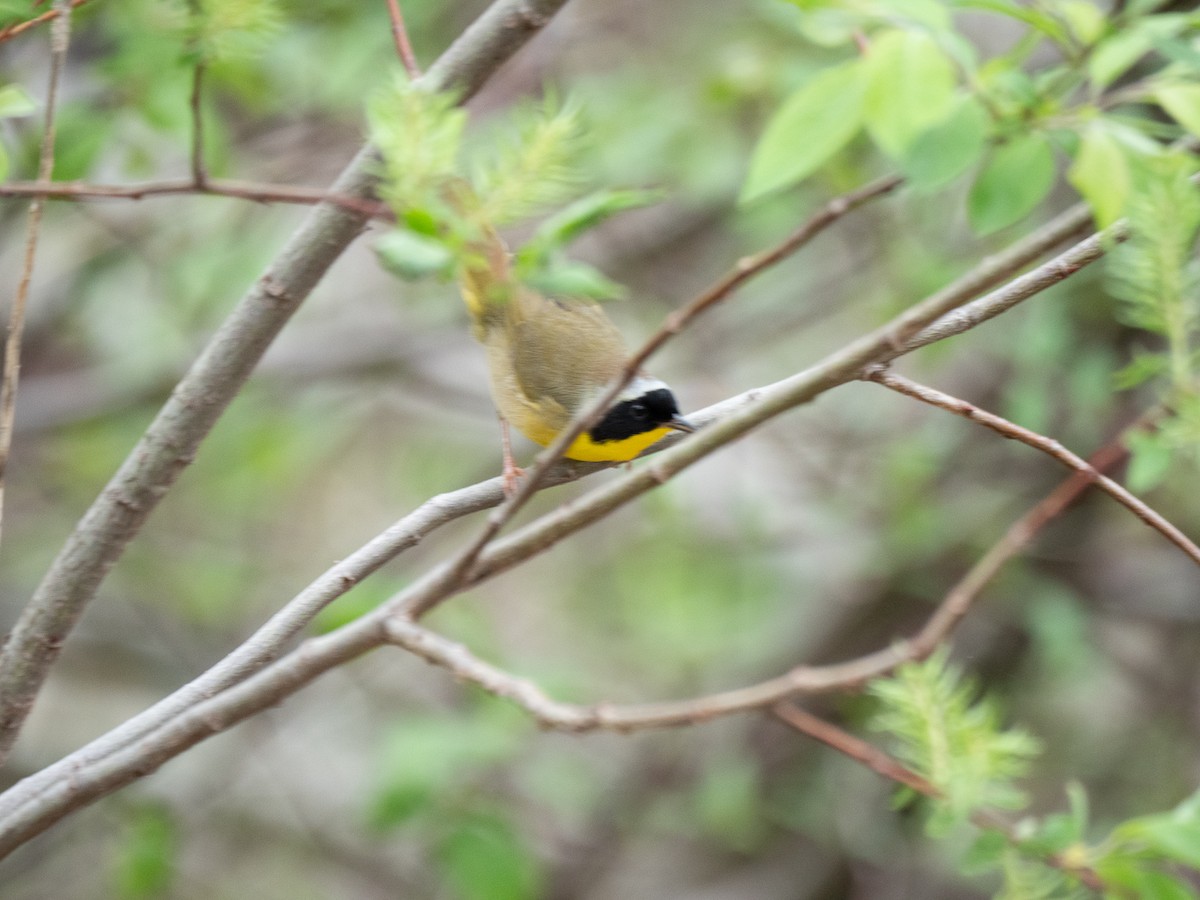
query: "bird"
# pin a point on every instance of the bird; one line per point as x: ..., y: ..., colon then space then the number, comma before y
x: 549, y: 357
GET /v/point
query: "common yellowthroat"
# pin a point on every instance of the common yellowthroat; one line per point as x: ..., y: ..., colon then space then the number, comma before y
x: 548, y: 358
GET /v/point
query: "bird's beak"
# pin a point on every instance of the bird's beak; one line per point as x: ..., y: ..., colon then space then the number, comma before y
x: 679, y: 423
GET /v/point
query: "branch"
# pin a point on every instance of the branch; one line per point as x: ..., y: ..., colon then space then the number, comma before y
x: 216, y: 187
x: 60, y: 37
x: 1038, y: 442
x: 1018, y: 536
x: 172, y: 440
x: 11, y: 31
x: 889, y: 767
x: 400, y: 35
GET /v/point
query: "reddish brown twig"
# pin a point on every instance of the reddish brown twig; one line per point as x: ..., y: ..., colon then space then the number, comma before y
x: 11, y: 31
x: 217, y: 187
x: 403, y: 47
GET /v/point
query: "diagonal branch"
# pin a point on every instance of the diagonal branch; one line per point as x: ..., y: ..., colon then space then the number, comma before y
x: 172, y: 440
x: 1020, y: 533
x: 1038, y: 442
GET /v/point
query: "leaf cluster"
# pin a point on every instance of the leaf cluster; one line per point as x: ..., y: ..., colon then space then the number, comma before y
x: 230, y: 29
x: 948, y: 734
x: 445, y: 197
x: 917, y: 88
x: 1156, y: 278
x: 1111, y: 102
x: 952, y: 737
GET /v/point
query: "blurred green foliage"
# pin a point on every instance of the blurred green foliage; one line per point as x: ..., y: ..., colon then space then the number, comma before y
x: 829, y: 533
x: 145, y: 862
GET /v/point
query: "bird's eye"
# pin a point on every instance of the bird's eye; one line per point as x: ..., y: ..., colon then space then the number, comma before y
x: 637, y: 410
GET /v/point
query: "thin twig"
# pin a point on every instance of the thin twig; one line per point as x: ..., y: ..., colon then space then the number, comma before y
x: 889, y: 767
x: 460, y: 662
x: 217, y: 187
x: 11, y: 31
x: 196, y: 104
x: 60, y: 37
x: 1019, y: 534
x: 400, y: 35
x: 1039, y: 442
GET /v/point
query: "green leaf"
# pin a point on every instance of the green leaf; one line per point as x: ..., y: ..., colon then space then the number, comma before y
x: 1173, y: 835
x: 1149, y: 463
x: 1077, y: 800
x: 812, y: 125
x: 3, y: 163
x: 413, y: 256
x: 485, y: 859
x: 1182, y: 101
x: 231, y: 29
x: 955, y: 740
x: 985, y: 854
x: 1141, y: 369
x: 1115, y: 54
x: 942, y: 153
x: 1011, y: 184
x: 912, y: 86
x: 1084, y: 18
x: 570, y: 278
x: 1101, y: 174
x: 15, y: 102
x: 564, y: 226
x: 1142, y: 882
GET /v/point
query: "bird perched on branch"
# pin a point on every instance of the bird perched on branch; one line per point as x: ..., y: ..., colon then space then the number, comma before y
x: 549, y: 358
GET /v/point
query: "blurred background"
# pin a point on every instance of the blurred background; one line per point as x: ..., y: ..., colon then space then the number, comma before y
x: 831, y: 532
